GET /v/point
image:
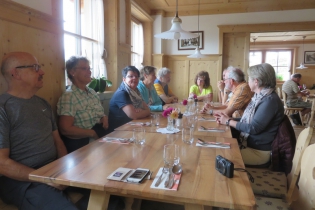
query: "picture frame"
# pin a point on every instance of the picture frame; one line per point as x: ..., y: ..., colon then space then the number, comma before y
x: 309, y: 57
x: 191, y: 44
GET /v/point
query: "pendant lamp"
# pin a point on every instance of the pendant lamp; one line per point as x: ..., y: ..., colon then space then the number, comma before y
x: 176, y: 31
x: 302, y: 63
x: 197, y: 53
x: 254, y: 39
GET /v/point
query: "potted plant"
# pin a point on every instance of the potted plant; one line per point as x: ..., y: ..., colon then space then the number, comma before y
x: 99, y: 84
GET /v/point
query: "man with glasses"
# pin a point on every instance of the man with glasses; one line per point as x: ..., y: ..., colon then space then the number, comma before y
x: 29, y: 138
x: 234, y: 81
x: 162, y: 88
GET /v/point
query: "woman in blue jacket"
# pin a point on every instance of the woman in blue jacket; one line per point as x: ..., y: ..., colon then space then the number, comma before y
x: 147, y: 90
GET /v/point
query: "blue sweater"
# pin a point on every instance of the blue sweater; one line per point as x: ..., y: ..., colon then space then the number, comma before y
x: 157, y: 103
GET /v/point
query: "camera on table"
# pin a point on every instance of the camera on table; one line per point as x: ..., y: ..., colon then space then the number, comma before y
x: 224, y: 166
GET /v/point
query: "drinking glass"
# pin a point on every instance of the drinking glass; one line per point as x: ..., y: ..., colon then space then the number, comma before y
x: 155, y: 119
x: 304, y: 87
x: 188, y: 135
x: 139, y: 135
x: 171, y: 155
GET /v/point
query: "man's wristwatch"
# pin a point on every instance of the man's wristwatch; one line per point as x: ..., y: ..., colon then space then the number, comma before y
x: 211, y: 112
x: 228, y: 122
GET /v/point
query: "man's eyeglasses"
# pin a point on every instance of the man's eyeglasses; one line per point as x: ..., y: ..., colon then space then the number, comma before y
x: 35, y: 66
x: 132, y: 76
x: 227, y: 79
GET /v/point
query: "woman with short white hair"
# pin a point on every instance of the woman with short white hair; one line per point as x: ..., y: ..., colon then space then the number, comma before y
x: 162, y: 88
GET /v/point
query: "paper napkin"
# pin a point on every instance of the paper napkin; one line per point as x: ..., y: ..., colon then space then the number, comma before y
x: 164, y: 130
x: 161, y: 185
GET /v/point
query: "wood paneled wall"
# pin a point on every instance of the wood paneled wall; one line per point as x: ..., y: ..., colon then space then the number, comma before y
x: 185, y: 69
x: 24, y: 29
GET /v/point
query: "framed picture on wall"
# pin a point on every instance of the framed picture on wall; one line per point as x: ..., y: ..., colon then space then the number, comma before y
x: 191, y: 44
x: 309, y: 57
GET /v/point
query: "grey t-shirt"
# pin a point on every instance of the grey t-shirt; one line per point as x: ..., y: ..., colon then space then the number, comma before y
x: 26, y: 127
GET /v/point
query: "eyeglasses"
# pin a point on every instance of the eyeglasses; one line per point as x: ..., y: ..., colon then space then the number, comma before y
x: 201, y: 80
x: 132, y: 76
x: 35, y: 66
x: 227, y: 79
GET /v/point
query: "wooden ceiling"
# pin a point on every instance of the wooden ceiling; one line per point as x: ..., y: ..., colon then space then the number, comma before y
x: 207, y: 7
x: 190, y: 7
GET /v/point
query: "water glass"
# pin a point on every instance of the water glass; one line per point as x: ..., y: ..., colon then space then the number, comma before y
x: 139, y: 135
x: 188, y: 135
x: 191, y: 121
x: 171, y: 155
x: 155, y: 119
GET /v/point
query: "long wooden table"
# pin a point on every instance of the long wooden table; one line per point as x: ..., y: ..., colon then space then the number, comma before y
x: 163, y: 122
x: 201, y: 185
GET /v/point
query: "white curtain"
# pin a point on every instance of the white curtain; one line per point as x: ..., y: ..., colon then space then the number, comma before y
x: 99, y: 50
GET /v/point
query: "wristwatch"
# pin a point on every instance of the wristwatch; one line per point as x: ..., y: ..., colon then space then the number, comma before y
x: 228, y: 122
x: 211, y: 112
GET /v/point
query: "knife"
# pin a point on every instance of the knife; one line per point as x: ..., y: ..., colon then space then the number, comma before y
x: 171, y: 182
x: 158, y: 182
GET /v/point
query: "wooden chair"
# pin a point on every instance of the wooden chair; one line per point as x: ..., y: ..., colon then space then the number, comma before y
x: 290, y: 110
x: 306, y: 192
x: 304, y: 195
x: 276, y: 184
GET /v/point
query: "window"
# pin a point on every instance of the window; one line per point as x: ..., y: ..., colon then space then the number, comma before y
x: 84, y: 32
x: 137, y: 43
x: 281, y: 60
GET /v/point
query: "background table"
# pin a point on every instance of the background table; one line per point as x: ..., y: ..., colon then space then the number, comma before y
x: 200, y: 185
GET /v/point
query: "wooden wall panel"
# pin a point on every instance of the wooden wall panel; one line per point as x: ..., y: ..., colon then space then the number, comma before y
x: 235, y: 50
x: 185, y: 69
x: 45, y: 45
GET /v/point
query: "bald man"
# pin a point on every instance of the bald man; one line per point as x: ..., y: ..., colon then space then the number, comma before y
x: 29, y: 138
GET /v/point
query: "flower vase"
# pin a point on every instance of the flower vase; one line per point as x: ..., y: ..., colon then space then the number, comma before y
x: 170, y: 124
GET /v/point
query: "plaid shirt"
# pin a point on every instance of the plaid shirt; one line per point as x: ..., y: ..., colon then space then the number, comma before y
x: 84, y: 106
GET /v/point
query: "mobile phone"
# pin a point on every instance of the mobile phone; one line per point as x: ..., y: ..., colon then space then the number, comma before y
x: 138, y: 175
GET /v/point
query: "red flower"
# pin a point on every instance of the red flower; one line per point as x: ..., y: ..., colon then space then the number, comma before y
x: 185, y: 102
x: 167, y: 111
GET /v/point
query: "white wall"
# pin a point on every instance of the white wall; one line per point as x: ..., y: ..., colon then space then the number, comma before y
x: 209, y: 23
x: 40, y: 5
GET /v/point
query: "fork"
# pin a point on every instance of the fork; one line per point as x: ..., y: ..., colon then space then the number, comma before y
x: 119, y: 139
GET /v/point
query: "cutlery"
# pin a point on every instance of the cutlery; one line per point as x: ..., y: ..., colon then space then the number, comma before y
x: 158, y: 182
x: 212, y: 129
x: 171, y: 182
x: 208, y: 119
x: 122, y: 140
x: 167, y: 181
x: 140, y: 123
x: 202, y: 142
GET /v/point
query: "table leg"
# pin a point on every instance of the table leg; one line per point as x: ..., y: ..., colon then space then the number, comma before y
x: 132, y: 203
x: 98, y: 200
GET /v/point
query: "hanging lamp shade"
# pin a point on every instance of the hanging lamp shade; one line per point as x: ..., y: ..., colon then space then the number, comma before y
x: 197, y: 53
x: 302, y: 63
x: 301, y: 66
x: 176, y: 31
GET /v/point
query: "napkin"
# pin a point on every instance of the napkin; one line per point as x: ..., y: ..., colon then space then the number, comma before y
x: 113, y: 140
x: 215, y: 145
x: 164, y: 130
x: 212, y: 130
x: 161, y: 185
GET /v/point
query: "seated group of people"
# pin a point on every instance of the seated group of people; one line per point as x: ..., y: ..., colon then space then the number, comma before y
x: 29, y: 137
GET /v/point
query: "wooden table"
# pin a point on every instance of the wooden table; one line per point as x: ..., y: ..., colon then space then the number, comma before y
x: 201, y: 185
x: 163, y: 122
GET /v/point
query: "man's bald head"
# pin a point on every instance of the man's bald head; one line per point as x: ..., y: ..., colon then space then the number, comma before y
x: 14, y: 59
